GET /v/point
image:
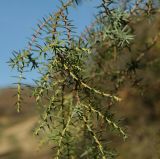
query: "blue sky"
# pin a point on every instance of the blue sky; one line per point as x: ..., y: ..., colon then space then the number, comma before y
x: 17, y: 20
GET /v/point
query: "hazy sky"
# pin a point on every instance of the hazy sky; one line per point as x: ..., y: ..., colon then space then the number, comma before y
x: 17, y: 20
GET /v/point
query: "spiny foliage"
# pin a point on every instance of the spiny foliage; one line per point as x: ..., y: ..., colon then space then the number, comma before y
x: 69, y: 111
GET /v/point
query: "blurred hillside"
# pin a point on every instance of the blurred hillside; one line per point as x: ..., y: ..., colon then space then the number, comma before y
x: 16, y: 129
